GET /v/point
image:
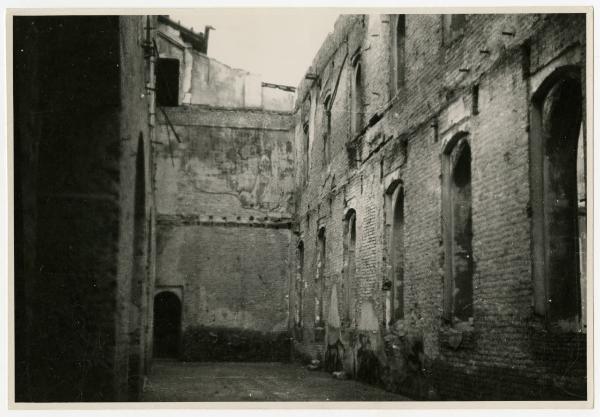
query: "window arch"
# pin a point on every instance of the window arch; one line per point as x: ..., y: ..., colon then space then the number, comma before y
x: 320, y: 287
x: 349, y: 261
x: 397, y: 256
x: 558, y: 201
x: 398, y: 51
x: 306, y: 122
x: 393, y: 284
x: 458, y: 233
x: 327, y: 133
x: 299, y: 288
x: 452, y: 26
x: 357, y: 100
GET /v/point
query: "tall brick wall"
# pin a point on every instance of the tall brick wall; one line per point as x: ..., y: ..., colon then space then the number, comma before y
x: 225, y: 202
x: 136, y: 202
x: 78, y: 125
x: 501, y: 355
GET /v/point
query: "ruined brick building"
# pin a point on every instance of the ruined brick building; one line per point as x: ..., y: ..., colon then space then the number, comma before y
x: 441, y: 205
x: 412, y: 214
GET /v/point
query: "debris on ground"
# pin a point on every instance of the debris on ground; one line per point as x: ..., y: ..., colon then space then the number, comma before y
x: 315, y: 365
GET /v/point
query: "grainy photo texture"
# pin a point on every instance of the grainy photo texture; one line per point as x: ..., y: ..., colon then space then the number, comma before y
x: 405, y: 222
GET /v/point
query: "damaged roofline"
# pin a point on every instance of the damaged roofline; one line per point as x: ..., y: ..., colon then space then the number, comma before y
x: 199, y: 41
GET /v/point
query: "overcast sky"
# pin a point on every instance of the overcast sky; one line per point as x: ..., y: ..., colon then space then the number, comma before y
x: 279, y: 44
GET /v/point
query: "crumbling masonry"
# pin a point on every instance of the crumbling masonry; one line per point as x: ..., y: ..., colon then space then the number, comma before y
x: 413, y: 214
x: 440, y: 221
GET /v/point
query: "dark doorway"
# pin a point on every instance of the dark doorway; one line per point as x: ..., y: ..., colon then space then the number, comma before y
x: 167, y: 82
x: 167, y: 324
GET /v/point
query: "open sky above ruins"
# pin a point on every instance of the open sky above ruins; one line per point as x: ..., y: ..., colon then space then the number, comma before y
x: 279, y: 44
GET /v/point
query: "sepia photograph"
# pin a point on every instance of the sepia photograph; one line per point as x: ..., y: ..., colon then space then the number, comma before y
x: 300, y: 205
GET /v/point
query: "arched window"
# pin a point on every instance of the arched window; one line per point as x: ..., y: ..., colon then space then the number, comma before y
x: 349, y: 260
x: 306, y: 123
x: 320, y: 287
x: 453, y: 26
x: 558, y: 198
x: 457, y: 218
x: 397, y: 257
x: 306, y: 151
x: 357, y: 100
x: 299, y: 285
x: 327, y: 133
x: 398, y: 51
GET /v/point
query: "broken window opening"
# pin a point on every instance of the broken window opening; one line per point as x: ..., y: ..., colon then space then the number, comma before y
x: 306, y: 119
x: 397, y: 255
x: 559, y: 201
x: 299, y: 287
x: 306, y: 149
x: 453, y: 26
x: 457, y: 217
x: 357, y: 101
x: 475, y: 99
x: 327, y: 134
x: 320, y: 287
x: 349, y: 265
x: 399, y: 52
x: 167, y: 82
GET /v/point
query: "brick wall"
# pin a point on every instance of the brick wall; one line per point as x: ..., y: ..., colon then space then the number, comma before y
x: 225, y: 204
x: 232, y: 276
x: 421, y: 355
x: 78, y: 132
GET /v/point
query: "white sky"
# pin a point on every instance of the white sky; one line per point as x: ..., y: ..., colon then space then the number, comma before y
x: 279, y: 44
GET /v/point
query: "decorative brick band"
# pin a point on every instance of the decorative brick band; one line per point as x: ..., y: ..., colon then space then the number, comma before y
x: 193, y: 220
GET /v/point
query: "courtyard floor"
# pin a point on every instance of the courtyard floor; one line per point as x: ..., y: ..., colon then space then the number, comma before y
x: 175, y: 381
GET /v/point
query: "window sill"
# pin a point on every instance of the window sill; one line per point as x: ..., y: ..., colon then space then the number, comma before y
x: 568, y: 327
x: 562, y: 350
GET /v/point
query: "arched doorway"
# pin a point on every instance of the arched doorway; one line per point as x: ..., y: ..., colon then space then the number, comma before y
x: 167, y: 325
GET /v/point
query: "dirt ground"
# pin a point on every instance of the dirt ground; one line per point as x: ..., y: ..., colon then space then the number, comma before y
x: 241, y: 381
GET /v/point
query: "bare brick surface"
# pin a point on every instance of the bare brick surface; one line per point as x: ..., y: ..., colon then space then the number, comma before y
x: 406, y: 142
